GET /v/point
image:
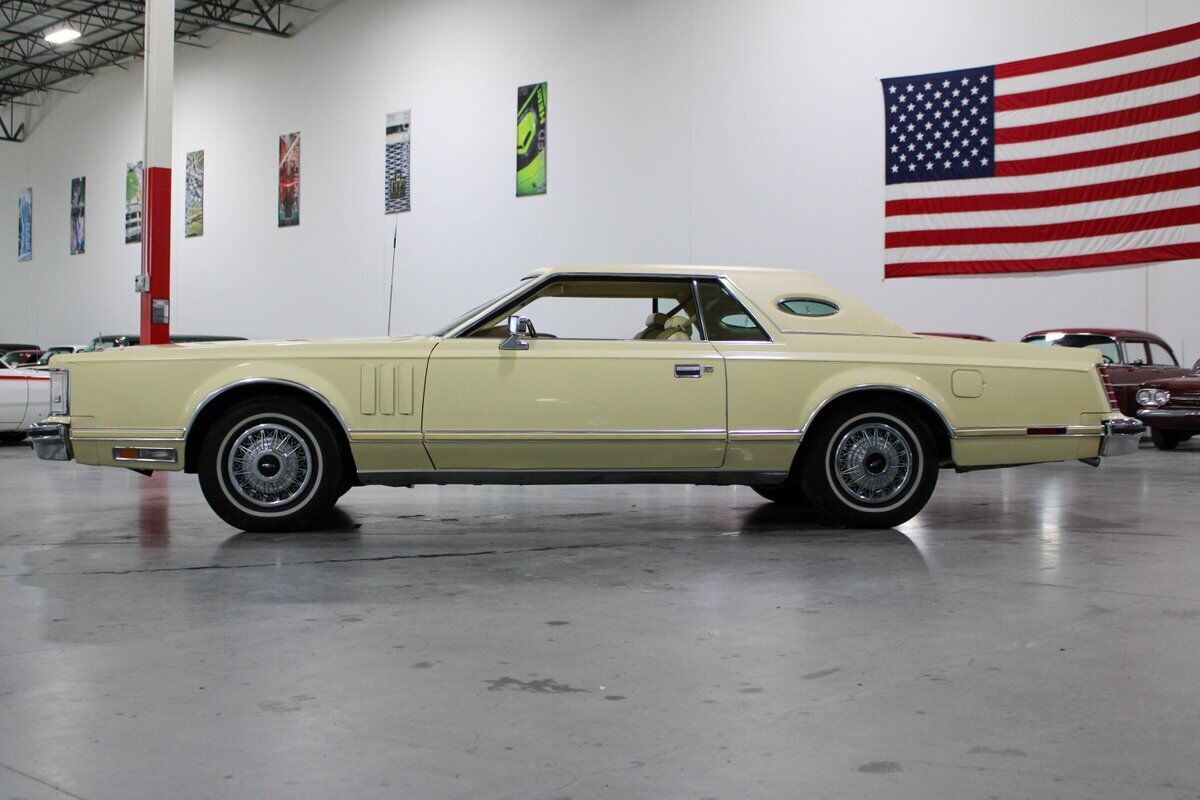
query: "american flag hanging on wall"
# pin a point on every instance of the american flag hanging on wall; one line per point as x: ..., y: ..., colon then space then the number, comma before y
x: 1071, y: 161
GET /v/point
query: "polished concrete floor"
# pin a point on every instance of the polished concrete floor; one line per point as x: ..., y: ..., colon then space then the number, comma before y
x: 1035, y: 633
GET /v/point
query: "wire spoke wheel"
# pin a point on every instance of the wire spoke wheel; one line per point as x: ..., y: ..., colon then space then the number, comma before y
x: 873, y: 462
x: 269, y: 464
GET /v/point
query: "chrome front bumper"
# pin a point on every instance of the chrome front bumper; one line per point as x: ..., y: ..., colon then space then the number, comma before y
x: 51, y: 441
x: 1121, y: 436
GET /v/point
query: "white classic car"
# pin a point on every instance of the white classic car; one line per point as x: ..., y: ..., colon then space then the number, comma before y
x: 617, y: 374
x: 24, y: 400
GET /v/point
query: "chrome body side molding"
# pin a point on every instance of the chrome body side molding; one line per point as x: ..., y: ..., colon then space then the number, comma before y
x: 542, y: 477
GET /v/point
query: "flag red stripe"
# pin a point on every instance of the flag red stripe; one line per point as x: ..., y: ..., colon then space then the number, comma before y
x: 1098, y: 158
x: 1103, y: 52
x: 1008, y: 201
x: 1099, y: 122
x: 1117, y: 258
x: 1015, y: 234
x: 1168, y: 73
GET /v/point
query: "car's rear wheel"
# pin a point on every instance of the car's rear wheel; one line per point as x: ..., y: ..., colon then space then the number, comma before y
x: 1167, y: 440
x: 270, y: 465
x: 868, y: 468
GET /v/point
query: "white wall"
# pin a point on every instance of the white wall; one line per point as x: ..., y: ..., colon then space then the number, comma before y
x: 702, y: 132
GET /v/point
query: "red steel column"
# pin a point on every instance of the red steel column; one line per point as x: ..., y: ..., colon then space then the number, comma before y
x: 155, y: 285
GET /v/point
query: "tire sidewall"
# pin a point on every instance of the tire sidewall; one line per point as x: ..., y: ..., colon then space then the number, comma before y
x: 323, y: 488
x: 823, y: 488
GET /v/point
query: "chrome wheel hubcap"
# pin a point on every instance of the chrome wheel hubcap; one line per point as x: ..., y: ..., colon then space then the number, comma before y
x: 270, y: 464
x: 873, y: 462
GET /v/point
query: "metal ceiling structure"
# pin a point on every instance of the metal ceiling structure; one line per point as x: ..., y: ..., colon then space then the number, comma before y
x: 112, y: 34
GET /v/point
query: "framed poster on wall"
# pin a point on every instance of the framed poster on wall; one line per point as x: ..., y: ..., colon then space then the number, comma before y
x: 396, y: 187
x: 78, y: 206
x: 289, y: 180
x: 133, y: 202
x: 193, y: 194
x: 25, y: 225
x: 531, y: 139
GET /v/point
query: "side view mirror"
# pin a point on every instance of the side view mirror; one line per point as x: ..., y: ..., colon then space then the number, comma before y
x: 518, y: 327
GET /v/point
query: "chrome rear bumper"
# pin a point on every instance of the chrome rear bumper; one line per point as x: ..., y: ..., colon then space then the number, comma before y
x: 1121, y: 436
x: 51, y: 441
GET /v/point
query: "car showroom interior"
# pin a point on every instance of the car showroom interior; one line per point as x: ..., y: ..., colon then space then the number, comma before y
x: 808, y: 408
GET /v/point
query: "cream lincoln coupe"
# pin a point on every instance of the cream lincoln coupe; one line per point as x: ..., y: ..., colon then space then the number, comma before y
x: 704, y: 375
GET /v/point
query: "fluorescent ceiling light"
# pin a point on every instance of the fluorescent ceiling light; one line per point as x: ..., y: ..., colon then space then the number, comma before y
x: 63, y: 35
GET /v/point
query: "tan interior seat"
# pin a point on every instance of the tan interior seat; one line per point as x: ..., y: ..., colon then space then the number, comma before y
x: 676, y: 329
x: 654, y: 326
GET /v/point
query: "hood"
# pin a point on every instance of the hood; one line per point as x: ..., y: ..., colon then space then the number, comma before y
x: 1189, y: 384
x: 373, y: 347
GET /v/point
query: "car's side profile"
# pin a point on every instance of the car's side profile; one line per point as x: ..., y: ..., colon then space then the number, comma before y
x: 709, y: 375
x: 24, y: 400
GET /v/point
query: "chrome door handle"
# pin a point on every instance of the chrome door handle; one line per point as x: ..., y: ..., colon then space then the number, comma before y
x: 687, y: 371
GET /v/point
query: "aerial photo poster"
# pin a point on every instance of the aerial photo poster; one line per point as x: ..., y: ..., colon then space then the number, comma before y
x: 396, y: 163
x: 193, y: 194
x: 133, y: 202
x: 25, y: 225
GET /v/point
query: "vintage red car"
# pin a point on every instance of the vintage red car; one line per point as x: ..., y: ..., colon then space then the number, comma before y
x: 1132, y: 357
x: 1170, y: 407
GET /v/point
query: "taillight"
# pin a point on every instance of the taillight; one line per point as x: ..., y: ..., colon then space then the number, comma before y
x: 1106, y: 382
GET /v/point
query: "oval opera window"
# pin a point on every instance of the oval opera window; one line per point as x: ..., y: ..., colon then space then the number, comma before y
x: 808, y: 307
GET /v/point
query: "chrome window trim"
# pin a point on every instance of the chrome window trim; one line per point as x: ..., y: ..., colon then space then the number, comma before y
x: 469, y: 326
x: 213, y: 395
x: 780, y: 304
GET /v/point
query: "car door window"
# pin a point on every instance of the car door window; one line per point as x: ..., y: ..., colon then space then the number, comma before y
x: 616, y: 309
x: 726, y: 319
x: 1135, y: 354
x: 1161, y: 356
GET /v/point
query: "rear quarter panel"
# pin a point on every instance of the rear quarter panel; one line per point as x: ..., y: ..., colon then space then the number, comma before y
x: 781, y: 386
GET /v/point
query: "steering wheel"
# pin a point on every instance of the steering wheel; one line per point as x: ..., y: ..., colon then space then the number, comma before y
x: 1107, y: 359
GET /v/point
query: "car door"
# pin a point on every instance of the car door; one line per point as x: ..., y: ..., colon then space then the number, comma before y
x: 1163, y: 363
x: 14, y: 397
x: 1133, y: 372
x: 605, y: 384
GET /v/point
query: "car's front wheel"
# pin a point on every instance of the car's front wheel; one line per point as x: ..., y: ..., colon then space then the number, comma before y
x: 868, y: 468
x: 270, y: 465
x: 1167, y: 440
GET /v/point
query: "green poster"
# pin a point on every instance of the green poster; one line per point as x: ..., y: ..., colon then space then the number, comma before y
x: 531, y: 139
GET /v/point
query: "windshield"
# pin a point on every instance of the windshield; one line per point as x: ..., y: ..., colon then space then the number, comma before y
x: 1105, y: 344
x: 459, y: 320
